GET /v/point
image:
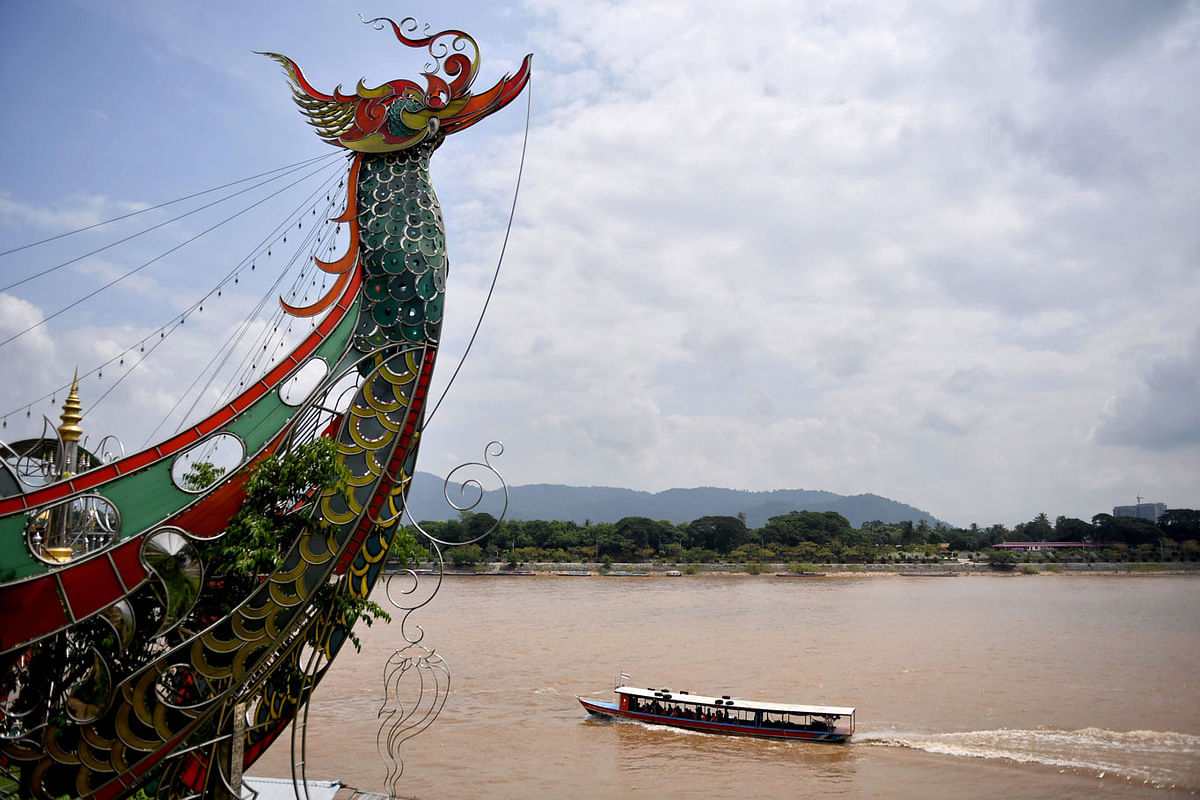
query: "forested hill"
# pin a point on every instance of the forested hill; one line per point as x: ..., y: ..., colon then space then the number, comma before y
x: 580, y: 504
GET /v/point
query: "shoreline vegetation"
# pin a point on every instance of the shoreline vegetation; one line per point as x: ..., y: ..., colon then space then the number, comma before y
x: 808, y: 571
x: 806, y: 542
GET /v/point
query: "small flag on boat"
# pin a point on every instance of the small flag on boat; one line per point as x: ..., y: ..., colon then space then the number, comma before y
x: 625, y: 676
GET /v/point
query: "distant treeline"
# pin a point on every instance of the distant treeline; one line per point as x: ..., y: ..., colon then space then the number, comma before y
x: 802, y: 536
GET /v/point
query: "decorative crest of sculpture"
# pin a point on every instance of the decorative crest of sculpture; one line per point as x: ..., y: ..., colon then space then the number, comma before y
x: 399, y: 114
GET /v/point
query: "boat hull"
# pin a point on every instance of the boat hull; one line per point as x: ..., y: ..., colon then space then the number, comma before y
x: 600, y: 708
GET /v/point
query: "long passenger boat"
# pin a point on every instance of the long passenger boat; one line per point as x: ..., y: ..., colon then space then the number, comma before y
x: 727, y: 715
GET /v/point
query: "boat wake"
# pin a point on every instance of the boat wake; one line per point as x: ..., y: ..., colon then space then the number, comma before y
x: 1158, y: 758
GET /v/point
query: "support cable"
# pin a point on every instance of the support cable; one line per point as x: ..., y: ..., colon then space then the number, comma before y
x: 166, y: 329
x: 230, y: 347
x: 500, y: 260
x: 157, y: 258
x: 58, y: 236
x: 235, y: 338
x: 142, y: 232
x: 241, y: 266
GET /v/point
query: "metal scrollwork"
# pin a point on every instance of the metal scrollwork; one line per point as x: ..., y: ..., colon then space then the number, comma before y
x: 36, y: 461
x: 399, y: 721
x: 24, y: 698
x: 403, y: 591
x: 108, y: 449
x: 171, y: 557
x: 204, y: 463
x: 474, y: 487
x: 90, y: 696
x: 72, y: 529
x: 416, y: 664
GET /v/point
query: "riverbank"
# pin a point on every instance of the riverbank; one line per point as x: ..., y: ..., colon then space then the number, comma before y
x: 937, y: 569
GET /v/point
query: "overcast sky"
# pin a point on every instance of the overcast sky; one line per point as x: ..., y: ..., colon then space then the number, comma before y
x: 943, y: 252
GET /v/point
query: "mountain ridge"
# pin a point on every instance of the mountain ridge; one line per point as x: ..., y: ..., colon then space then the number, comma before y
x: 590, y: 504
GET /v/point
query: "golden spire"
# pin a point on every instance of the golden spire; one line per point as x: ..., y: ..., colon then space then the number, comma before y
x: 70, y: 431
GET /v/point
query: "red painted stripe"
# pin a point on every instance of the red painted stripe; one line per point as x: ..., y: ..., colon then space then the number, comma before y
x: 90, y: 586
x: 138, y: 461
x: 220, y: 418
x: 31, y: 609
x: 281, y: 371
x: 178, y: 442
x: 101, y: 475
x: 129, y: 563
x: 54, y: 492
x: 722, y: 728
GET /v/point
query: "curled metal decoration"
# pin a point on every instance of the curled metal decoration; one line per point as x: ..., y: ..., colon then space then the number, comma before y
x: 71, y: 529
x: 182, y: 688
x: 38, y: 462
x: 494, y: 449
x: 437, y: 44
x: 34, y: 464
x: 401, y: 722
x: 171, y: 556
x: 222, y: 451
x: 121, y: 617
x: 23, y: 695
x: 102, y: 451
x: 406, y: 583
x: 402, y: 588
x: 91, y: 695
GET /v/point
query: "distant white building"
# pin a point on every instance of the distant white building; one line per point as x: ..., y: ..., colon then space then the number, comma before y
x: 1033, y: 547
x: 1150, y: 511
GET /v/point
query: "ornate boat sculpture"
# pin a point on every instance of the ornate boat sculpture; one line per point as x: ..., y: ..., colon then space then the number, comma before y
x: 106, y: 562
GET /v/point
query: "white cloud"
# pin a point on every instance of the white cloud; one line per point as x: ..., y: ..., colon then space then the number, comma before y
x: 28, y: 362
x: 1158, y: 407
x: 897, y: 248
x: 892, y: 226
x: 75, y: 211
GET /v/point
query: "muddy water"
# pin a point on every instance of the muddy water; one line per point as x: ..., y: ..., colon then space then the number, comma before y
x: 1027, y: 686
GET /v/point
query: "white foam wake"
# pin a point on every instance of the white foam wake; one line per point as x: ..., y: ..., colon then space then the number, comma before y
x: 1159, y: 758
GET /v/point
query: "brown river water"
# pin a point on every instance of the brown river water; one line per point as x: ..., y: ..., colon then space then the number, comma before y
x: 975, y: 686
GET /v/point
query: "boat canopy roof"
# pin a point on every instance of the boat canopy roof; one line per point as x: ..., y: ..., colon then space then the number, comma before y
x: 727, y: 702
